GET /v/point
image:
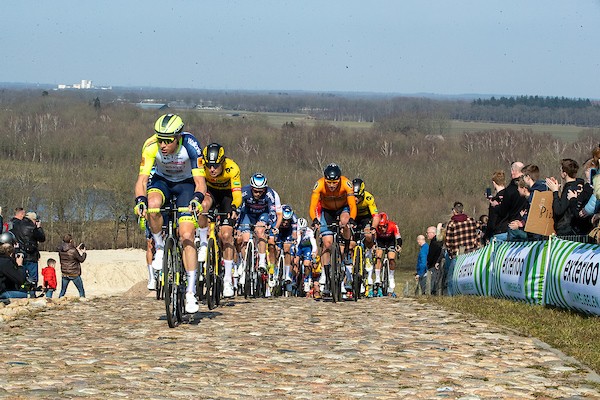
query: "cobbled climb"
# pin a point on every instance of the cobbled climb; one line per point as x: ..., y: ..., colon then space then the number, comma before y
x: 122, y: 348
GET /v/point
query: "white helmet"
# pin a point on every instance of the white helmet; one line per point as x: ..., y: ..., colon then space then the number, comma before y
x: 258, y: 181
x: 302, y: 223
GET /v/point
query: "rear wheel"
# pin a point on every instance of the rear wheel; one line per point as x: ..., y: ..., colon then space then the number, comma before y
x: 171, y: 285
x: 357, y: 271
x: 334, y: 282
x: 160, y: 282
x: 249, y: 270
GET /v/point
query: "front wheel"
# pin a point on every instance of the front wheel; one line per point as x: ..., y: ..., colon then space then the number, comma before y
x: 211, y: 260
x: 357, y: 271
x: 385, y: 276
x: 171, y: 286
x: 334, y: 273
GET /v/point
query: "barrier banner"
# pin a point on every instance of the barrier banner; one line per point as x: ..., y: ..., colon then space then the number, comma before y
x: 471, y: 272
x: 572, y: 277
x: 517, y: 271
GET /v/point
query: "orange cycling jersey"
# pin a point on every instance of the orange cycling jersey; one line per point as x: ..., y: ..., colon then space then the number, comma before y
x: 333, y: 200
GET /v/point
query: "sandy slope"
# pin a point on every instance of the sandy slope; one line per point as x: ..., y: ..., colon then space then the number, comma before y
x: 106, y: 272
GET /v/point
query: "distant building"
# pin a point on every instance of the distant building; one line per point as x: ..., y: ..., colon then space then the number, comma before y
x: 84, y: 84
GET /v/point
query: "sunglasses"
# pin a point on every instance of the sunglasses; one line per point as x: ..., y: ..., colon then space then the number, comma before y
x: 212, y: 166
x: 166, y: 140
x: 332, y: 182
x: 258, y: 191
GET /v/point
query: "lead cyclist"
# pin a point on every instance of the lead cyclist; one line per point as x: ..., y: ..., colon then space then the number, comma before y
x: 174, y: 155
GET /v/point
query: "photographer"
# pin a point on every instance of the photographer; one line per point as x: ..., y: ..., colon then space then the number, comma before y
x: 28, y: 232
x: 71, y: 258
x: 12, y: 274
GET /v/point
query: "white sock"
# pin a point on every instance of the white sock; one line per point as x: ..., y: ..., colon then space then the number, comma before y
x: 370, y: 274
x: 286, y: 271
x: 150, y: 271
x: 377, y: 274
x: 191, y: 281
x: 158, y: 240
x: 262, y: 259
x: 203, y: 234
x: 228, y: 265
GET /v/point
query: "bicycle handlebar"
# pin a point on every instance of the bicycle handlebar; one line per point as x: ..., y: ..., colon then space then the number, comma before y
x: 161, y: 209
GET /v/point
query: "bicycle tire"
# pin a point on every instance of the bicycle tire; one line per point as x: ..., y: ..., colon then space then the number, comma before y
x: 385, y: 276
x: 357, y: 271
x: 159, y: 285
x: 210, y: 275
x: 334, y: 283
x: 218, y: 281
x: 171, y: 284
x: 249, y: 270
x: 280, y: 286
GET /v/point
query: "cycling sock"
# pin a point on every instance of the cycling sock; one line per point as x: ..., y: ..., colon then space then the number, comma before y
x: 191, y: 281
x: 377, y: 274
x: 228, y: 265
x: 286, y: 271
x: 262, y: 259
x: 370, y: 274
x: 158, y: 240
x: 150, y: 272
x: 203, y: 234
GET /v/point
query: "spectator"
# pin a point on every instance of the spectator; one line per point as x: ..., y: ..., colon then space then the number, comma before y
x: 49, y: 277
x: 421, y: 275
x: 563, y: 204
x: 581, y: 223
x: 495, y: 198
x: 511, y: 206
x: 433, y: 261
x: 515, y: 228
x: 483, y: 223
x: 461, y: 237
x: 71, y: 258
x: 19, y: 215
x: 531, y: 175
x: 29, y: 234
x: 12, y: 274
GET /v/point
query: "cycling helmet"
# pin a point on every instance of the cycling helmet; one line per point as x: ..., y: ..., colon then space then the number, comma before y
x: 383, y: 219
x: 168, y: 126
x: 213, y: 154
x: 8, y: 238
x: 359, y: 187
x: 332, y: 172
x: 302, y: 223
x: 258, y: 181
x: 287, y: 212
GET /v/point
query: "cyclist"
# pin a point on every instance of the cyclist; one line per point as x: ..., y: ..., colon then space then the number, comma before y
x: 224, y: 194
x: 388, y: 239
x: 367, y: 216
x: 334, y: 196
x: 174, y: 154
x: 306, y: 245
x: 261, y: 207
x: 288, y: 232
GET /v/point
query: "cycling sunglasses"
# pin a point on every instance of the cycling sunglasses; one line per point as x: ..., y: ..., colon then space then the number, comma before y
x: 332, y: 182
x: 166, y: 140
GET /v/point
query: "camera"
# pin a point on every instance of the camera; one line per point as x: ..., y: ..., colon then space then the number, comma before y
x: 82, y: 246
x: 488, y: 193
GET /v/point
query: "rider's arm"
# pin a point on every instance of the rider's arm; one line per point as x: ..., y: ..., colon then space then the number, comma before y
x: 313, y: 243
x: 278, y: 211
x: 236, y: 184
x: 350, y: 195
x: 314, y: 198
x: 141, y: 185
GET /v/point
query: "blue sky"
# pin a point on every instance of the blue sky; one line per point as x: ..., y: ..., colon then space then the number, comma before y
x: 534, y: 47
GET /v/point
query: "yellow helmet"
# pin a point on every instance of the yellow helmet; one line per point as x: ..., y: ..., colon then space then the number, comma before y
x: 168, y: 126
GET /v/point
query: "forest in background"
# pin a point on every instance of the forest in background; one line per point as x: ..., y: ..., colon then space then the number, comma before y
x: 75, y: 163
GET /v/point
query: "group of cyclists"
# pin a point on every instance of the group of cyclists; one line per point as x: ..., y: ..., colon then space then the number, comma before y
x: 175, y: 167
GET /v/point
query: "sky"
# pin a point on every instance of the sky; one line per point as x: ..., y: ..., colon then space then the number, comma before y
x: 507, y: 47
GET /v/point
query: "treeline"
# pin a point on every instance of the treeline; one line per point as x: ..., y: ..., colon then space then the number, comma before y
x: 534, y: 101
x: 76, y: 164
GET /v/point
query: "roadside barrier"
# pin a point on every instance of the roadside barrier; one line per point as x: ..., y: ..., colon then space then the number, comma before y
x: 553, y: 272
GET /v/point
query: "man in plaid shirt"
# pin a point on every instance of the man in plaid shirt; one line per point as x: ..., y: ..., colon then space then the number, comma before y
x: 461, y: 237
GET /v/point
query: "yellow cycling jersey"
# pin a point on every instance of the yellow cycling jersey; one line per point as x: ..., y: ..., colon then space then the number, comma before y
x: 367, y: 206
x: 179, y: 166
x: 229, y: 179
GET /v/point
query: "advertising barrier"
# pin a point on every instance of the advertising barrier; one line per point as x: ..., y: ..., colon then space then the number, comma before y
x: 471, y: 272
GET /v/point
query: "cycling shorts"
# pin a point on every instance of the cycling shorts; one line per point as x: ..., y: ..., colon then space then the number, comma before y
x: 184, y: 191
x: 330, y: 216
x: 285, y: 235
x: 305, y: 253
x: 221, y: 202
x: 386, y: 243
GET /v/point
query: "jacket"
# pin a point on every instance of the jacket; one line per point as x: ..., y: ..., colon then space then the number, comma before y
x: 70, y: 259
x: 11, y: 275
x: 28, y: 235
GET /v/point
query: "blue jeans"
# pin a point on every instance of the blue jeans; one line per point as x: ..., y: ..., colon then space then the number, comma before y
x: 49, y: 292
x: 501, y: 237
x: 31, y: 267
x: 449, y: 267
x: 78, y: 284
x: 13, y: 294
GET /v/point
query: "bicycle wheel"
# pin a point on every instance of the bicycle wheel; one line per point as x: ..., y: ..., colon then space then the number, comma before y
x: 385, y: 276
x: 334, y: 282
x: 357, y: 271
x: 249, y: 270
x: 171, y: 285
x: 279, y: 289
x: 218, y: 281
x: 160, y: 282
x: 211, y: 259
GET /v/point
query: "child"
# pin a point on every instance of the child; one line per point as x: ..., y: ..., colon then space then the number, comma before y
x: 49, y: 275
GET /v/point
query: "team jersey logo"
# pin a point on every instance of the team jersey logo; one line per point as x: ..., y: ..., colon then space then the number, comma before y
x: 316, y: 186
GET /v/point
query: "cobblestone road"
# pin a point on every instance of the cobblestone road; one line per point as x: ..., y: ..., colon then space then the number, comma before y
x: 122, y: 348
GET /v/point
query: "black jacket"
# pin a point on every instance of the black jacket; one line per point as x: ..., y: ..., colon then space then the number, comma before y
x: 28, y: 235
x: 435, y: 250
x: 510, y: 208
x: 11, y: 275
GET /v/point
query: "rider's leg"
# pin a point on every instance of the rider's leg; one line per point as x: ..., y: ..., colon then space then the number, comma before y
x: 392, y: 259
x: 286, y: 260
x: 226, y: 236
x: 186, y: 237
x: 155, y: 200
x: 149, y: 257
x: 259, y: 230
x: 378, y: 256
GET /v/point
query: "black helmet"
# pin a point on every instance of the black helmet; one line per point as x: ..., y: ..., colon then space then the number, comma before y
x: 213, y: 154
x: 8, y: 238
x: 359, y: 187
x: 332, y: 172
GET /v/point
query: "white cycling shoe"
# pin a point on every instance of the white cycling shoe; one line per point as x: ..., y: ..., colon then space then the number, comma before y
x: 152, y: 283
x: 157, y: 263
x: 228, y: 289
x: 191, y: 304
x: 392, y: 283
